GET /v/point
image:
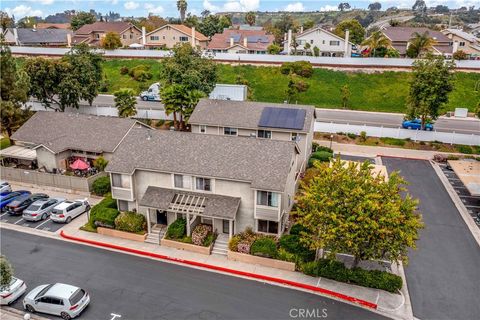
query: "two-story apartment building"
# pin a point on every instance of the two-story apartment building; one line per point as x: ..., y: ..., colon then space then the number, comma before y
x: 93, y: 33
x: 228, y: 182
x: 265, y: 121
x: 328, y: 43
x: 169, y: 35
x: 57, y: 137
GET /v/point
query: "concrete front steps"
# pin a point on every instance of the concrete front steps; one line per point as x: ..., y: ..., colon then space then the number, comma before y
x: 221, y: 245
x: 158, y: 231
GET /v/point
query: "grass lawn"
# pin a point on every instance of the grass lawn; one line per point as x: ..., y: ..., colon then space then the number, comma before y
x: 4, y: 143
x: 384, y: 91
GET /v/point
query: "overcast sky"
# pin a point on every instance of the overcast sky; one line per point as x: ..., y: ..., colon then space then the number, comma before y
x: 168, y: 7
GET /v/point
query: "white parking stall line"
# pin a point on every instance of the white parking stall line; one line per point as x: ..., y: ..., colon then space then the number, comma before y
x: 3, y: 214
x: 41, y: 224
x: 19, y: 221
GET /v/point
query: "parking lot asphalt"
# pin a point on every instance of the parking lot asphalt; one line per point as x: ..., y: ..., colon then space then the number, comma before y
x: 46, y: 225
x: 357, y: 158
x: 442, y: 274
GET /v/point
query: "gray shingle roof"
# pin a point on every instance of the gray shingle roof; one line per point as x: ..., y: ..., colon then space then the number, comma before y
x: 216, y: 206
x: 59, y: 131
x: 264, y: 163
x: 240, y: 114
x: 51, y: 36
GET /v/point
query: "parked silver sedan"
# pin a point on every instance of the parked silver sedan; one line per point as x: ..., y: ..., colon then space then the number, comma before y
x: 41, y: 209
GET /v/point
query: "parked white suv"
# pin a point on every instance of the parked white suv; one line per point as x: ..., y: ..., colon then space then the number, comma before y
x: 68, y: 210
x: 59, y: 299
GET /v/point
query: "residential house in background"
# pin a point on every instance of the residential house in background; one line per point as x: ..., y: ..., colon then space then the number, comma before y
x: 59, y: 137
x: 400, y: 38
x: 328, y: 43
x: 38, y: 37
x: 230, y: 183
x: 464, y: 41
x: 260, y: 120
x: 241, y: 41
x: 53, y: 25
x: 92, y: 34
x: 169, y: 35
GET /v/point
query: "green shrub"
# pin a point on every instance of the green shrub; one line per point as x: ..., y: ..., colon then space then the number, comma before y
x: 124, y: 70
x: 177, y: 229
x: 465, y: 149
x: 264, y: 247
x: 352, y: 135
x: 4, y: 143
x: 297, y: 229
x: 300, y: 68
x: 322, y: 156
x: 130, y: 222
x: 104, y: 213
x: 243, y: 241
x: 393, y: 141
x: 291, y: 243
x: 336, y: 270
x: 101, y: 186
x: 363, y: 136
x: 209, y: 239
x: 323, y: 148
x: 100, y: 163
x: 284, y: 255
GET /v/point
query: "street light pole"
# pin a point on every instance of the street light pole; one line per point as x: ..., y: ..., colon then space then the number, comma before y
x: 331, y: 140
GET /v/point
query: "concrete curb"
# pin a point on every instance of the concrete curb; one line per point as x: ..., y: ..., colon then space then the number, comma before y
x: 285, y: 282
x: 399, y: 157
x: 474, y: 230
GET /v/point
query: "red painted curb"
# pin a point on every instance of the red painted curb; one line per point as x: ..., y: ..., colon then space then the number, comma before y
x: 398, y: 157
x: 227, y: 270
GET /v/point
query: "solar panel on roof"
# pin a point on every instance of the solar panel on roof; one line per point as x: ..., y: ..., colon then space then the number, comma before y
x: 236, y: 38
x: 282, y: 118
x: 253, y: 39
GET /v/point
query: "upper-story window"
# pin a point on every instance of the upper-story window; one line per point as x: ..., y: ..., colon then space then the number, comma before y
x: 334, y: 42
x: 120, y: 180
x: 154, y: 38
x: 182, y: 182
x: 294, y: 136
x: 202, y: 129
x: 267, y: 134
x: 461, y: 44
x: 230, y: 131
x: 203, y: 184
x: 131, y: 35
x: 267, y: 198
x: 97, y: 35
x: 183, y: 39
x: 124, y: 36
x: 311, y: 41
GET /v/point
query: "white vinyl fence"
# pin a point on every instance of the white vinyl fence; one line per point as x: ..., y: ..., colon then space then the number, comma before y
x: 400, y: 133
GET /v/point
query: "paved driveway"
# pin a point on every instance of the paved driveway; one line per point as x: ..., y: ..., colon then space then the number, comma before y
x: 443, y: 275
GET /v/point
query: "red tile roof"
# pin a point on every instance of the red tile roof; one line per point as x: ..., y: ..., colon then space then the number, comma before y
x: 222, y: 40
x: 188, y: 30
x: 53, y: 25
x: 117, y: 27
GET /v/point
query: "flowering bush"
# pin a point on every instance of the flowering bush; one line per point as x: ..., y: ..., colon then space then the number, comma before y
x: 244, y: 247
x: 242, y: 242
x: 200, y: 233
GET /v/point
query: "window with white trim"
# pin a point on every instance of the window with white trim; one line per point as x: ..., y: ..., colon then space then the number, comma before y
x: 267, y: 226
x: 294, y: 136
x: 334, y: 42
x: 266, y: 134
x: 267, y: 198
x: 182, y: 182
x: 461, y: 44
x: 203, y: 184
x: 120, y: 180
x: 230, y: 131
x: 154, y: 38
x: 202, y: 129
x: 183, y: 39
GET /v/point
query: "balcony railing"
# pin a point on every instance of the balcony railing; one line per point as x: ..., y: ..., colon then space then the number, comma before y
x: 267, y: 213
x: 122, y: 193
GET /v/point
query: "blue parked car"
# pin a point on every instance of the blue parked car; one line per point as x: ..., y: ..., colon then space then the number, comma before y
x: 416, y: 124
x: 9, y: 197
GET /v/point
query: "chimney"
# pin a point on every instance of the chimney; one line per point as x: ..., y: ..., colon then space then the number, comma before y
x: 15, y: 35
x: 289, y: 41
x: 245, y: 42
x: 231, y: 42
x: 301, y: 29
x: 144, y: 37
x: 193, y: 37
x: 346, y: 53
x: 455, y: 46
x: 69, y: 40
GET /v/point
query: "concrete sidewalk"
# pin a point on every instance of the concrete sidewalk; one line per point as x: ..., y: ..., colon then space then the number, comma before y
x: 9, y: 313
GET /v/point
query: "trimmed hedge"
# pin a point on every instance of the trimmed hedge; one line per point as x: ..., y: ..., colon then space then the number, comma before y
x: 336, y: 270
x: 264, y: 247
x: 130, y: 222
x: 104, y: 213
x: 291, y: 243
x: 177, y: 229
x: 101, y: 186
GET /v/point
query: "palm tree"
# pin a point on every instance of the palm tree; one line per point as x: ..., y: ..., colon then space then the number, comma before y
x: 125, y: 102
x: 182, y: 8
x: 419, y: 44
x: 375, y: 41
x: 250, y: 18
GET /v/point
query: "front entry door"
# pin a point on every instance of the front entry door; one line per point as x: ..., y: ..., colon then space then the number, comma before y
x: 226, y: 226
x: 162, y: 217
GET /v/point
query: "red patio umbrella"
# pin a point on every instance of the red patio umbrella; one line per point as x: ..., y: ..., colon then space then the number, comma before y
x: 79, y: 164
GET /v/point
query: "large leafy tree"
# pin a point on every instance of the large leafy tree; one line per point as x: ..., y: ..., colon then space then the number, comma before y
x: 420, y: 7
x: 14, y: 85
x: 77, y: 76
x: 150, y: 23
x: 182, y: 8
x: 125, y: 101
x: 82, y: 18
x: 187, y: 67
x: 212, y: 24
x: 419, y: 44
x: 375, y: 6
x: 346, y: 208
x: 250, y: 18
x: 432, y: 81
x: 344, y: 6
x: 357, y: 32
x: 5, y: 20
x: 111, y: 41
x: 6, y: 272
x: 376, y: 41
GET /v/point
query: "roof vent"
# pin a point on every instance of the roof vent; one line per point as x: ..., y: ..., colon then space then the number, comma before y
x: 149, y: 135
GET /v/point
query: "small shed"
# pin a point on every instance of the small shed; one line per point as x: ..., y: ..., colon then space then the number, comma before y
x: 235, y: 92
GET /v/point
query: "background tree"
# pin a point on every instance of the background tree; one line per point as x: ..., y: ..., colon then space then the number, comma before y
x: 212, y: 24
x: 191, y: 74
x: 307, y: 49
x: 316, y: 51
x: 343, y: 6
x: 111, y: 41
x: 460, y: 55
x: 182, y: 8
x: 150, y: 23
x: 357, y: 32
x: 375, y: 41
x: 294, y: 87
x: 82, y: 18
x: 250, y: 18
x: 308, y: 24
x: 5, y: 20
x: 420, y: 8
x: 274, y: 49
x: 419, y: 44
x: 375, y: 6
x: 6, y: 272
x: 347, y: 209
x: 432, y: 81
x: 441, y: 9
x: 180, y: 102
x: 14, y: 84
x: 125, y: 101
x: 285, y: 23
x: 77, y: 76
x: 345, y: 91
